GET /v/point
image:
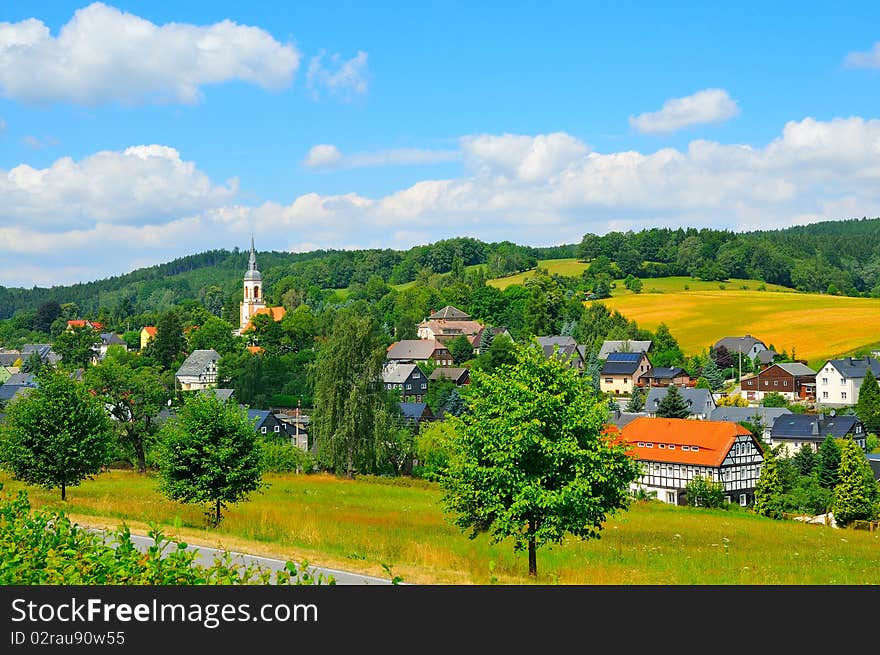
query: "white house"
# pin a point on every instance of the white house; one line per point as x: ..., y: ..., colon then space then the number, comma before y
x: 199, y: 370
x: 839, y: 380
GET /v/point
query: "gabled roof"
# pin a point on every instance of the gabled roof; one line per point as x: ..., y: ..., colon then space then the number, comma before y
x: 197, y: 362
x: 557, y: 340
x: 110, y: 339
x: 855, y: 367
x: 664, y: 372
x: 276, y: 313
x: 21, y: 380
x: 739, y: 344
x: 79, y: 323
x: 150, y: 330
x: 9, y: 392
x: 452, y: 373
x: 398, y: 373
x: 767, y: 415
x: 413, y: 349
x: 622, y: 419
x: 450, y: 313
x: 415, y: 411
x: 813, y: 426
x: 9, y: 358
x: 622, y: 363
x: 700, y: 401
x: 258, y: 415
x: 625, y: 345
x: 766, y: 356
x: 42, y: 349
x: 797, y: 369
x: 221, y: 394
x: 712, y: 439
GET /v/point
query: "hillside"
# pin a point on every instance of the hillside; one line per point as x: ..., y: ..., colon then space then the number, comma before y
x: 816, y: 326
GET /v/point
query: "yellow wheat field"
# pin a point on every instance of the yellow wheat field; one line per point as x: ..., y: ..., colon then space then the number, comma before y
x: 816, y: 327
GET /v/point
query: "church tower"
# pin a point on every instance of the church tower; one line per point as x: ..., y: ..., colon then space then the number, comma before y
x: 252, y: 301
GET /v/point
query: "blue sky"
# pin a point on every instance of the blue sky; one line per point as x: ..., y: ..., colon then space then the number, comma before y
x: 135, y: 132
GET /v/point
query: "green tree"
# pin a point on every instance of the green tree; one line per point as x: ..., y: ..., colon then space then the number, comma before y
x: 633, y: 283
x: 460, y: 349
x: 713, y: 374
x: 209, y: 454
x: 805, y: 460
x: 829, y: 463
x: 47, y: 313
x: 770, y: 487
x: 774, y: 399
x: 486, y: 338
x: 531, y: 459
x: 502, y: 352
x: 636, y: 401
x: 169, y: 342
x: 673, y: 404
x: 704, y: 492
x: 58, y: 435
x: 77, y: 346
x: 855, y: 495
x: 593, y: 371
x: 134, y: 397
x: 868, y: 407
x: 216, y: 334
x: 348, y: 392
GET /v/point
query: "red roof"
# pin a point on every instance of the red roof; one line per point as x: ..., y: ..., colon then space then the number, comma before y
x: 277, y: 313
x: 151, y: 330
x: 684, y: 441
x: 78, y: 323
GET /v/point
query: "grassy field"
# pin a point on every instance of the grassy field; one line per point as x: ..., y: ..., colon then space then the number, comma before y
x: 816, y: 327
x: 359, y: 525
x: 571, y: 267
x: 683, y: 284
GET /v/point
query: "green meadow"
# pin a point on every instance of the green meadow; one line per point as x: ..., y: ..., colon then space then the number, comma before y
x: 362, y: 524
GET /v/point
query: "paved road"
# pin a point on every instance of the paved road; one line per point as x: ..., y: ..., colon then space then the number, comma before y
x: 205, y: 556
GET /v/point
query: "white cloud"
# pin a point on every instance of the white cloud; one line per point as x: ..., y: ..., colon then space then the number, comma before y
x: 37, y: 143
x: 706, y: 106
x: 142, y: 184
x: 325, y: 156
x: 869, y: 59
x: 341, y: 78
x: 104, y: 55
x: 147, y: 205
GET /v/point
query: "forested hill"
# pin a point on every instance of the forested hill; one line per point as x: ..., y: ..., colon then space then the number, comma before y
x: 831, y: 256
x: 214, y: 277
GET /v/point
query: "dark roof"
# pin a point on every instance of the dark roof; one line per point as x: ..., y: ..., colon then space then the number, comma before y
x: 736, y: 414
x: 813, y: 426
x: 739, y: 344
x: 11, y: 391
x: 622, y: 363
x: 221, y: 394
x: 198, y: 361
x: 621, y: 419
x: 415, y: 411
x: 873, y: 460
x: 855, y: 367
x: 258, y: 415
x: 413, y: 349
x: 111, y: 339
x: 558, y: 340
x: 449, y: 372
x: 21, y: 379
x: 664, y: 372
x: 9, y: 358
x: 624, y: 345
x: 766, y: 356
x: 700, y: 401
x: 566, y: 352
x: 796, y: 369
x: 42, y: 349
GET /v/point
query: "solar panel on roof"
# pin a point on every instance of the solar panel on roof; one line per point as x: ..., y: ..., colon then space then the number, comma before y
x: 624, y: 357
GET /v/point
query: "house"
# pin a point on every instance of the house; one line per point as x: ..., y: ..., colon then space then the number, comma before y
x: 447, y: 324
x: 411, y: 351
x: 223, y: 395
x: 624, y: 346
x: 748, y: 345
x: 838, y: 380
x: 148, y: 333
x: 275, y: 313
x: 795, y: 430
x: 761, y: 417
x: 494, y: 331
x: 700, y: 401
x: 794, y: 380
x: 297, y: 426
x: 11, y: 358
x: 620, y: 419
x: 874, y: 461
x: 16, y: 385
x: 672, y: 452
x: 766, y: 357
x: 416, y: 413
x: 107, y: 339
x: 199, y: 370
x: 408, y: 379
x: 460, y: 376
x: 566, y: 348
x: 267, y: 424
x: 663, y: 376
x: 43, y: 350
x: 81, y: 323
x: 621, y: 370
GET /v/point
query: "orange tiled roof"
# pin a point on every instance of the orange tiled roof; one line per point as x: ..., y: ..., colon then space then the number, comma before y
x: 712, y: 439
x: 277, y: 313
x: 151, y: 330
x: 78, y: 323
x: 255, y: 350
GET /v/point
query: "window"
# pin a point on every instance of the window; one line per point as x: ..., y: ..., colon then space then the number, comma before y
x: 785, y: 383
x: 625, y: 380
x: 685, y: 447
x: 824, y: 380
x: 263, y: 430
x: 743, y: 499
x: 641, y: 444
x: 670, y: 497
x: 842, y: 381
x: 649, y: 445
x: 661, y: 445
x: 727, y: 499
x: 824, y: 394
x: 409, y: 386
x: 277, y: 428
x: 424, y: 386
x: 775, y: 383
x: 695, y: 448
x: 672, y: 446
x: 609, y: 380
x: 843, y: 395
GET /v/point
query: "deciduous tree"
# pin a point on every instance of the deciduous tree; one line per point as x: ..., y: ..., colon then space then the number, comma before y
x: 531, y: 458
x: 855, y: 495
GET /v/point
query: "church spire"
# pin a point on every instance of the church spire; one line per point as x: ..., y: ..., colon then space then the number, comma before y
x: 252, y: 263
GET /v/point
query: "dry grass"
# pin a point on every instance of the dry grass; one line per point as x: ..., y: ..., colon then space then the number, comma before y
x: 816, y: 327
x: 359, y: 525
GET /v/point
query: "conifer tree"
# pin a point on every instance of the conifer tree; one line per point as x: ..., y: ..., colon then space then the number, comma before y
x: 713, y: 374
x: 805, y: 460
x: 769, y: 488
x: 868, y: 407
x: 855, y: 495
x: 593, y: 371
x: 673, y: 404
x: 829, y: 463
x: 486, y: 337
x: 636, y: 401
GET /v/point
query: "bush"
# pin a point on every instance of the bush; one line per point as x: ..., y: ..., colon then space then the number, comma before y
x: 284, y: 458
x: 704, y: 492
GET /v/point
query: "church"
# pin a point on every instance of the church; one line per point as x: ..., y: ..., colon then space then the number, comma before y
x: 253, y: 301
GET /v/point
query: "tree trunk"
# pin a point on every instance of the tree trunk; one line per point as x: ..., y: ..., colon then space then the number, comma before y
x: 349, y: 471
x: 63, y: 491
x: 141, y: 455
x: 217, y: 514
x: 533, y: 554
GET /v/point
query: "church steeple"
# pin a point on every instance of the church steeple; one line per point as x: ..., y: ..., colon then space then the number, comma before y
x: 252, y: 263
x: 252, y: 296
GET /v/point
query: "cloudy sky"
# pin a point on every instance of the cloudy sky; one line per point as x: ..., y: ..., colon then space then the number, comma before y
x: 135, y: 132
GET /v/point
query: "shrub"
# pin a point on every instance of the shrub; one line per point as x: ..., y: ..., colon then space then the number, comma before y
x: 704, y: 492
x: 284, y: 458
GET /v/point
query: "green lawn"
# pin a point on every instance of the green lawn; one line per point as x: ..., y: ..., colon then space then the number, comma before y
x: 569, y: 267
x: 359, y: 525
